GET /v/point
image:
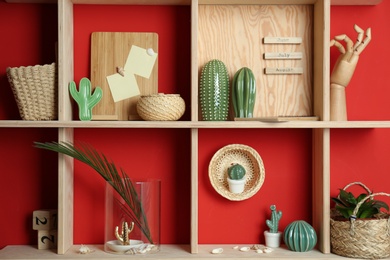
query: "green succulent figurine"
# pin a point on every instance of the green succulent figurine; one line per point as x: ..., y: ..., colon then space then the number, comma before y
x: 214, y: 91
x: 244, y: 93
x: 273, y: 224
x: 236, y: 172
x: 84, y: 99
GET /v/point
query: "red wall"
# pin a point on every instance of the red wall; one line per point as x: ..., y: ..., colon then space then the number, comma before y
x: 29, y: 175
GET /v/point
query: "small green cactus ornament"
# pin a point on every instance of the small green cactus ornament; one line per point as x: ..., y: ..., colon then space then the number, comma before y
x: 273, y: 224
x: 84, y: 99
x: 124, y: 237
x: 214, y: 91
x: 244, y: 93
x: 236, y: 172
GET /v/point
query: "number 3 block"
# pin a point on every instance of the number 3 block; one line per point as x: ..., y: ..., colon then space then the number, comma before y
x: 45, y: 219
x: 47, y: 239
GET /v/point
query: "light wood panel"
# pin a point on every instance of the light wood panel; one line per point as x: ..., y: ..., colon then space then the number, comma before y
x: 176, y: 252
x: 110, y: 50
x: 187, y: 2
x: 65, y: 164
x: 234, y: 35
x: 321, y: 187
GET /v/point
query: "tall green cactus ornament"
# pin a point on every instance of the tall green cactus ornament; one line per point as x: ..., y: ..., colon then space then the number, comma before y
x: 84, y: 99
x: 273, y: 224
x: 244, y: 93
x: 214, y: 91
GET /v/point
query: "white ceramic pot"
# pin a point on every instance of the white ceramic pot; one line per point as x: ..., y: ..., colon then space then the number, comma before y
x: 272, y: 239
x: 236, y: 186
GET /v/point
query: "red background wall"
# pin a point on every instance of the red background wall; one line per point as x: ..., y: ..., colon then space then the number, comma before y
x: 28, y: 176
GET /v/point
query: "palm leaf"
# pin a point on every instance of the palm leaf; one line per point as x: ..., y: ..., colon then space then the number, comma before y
x: 119, y: 180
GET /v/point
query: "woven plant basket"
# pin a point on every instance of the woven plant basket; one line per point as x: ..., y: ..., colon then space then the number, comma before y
x: 248, y: 158
x: 35, y: 91
x: 361, y: 238
x: 160, y: 107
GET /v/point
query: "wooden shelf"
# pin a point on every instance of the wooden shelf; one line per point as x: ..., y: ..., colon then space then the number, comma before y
x: 195, y: 124
x: 318, y: 93
x: 187, y: 2
x: 178, y: 252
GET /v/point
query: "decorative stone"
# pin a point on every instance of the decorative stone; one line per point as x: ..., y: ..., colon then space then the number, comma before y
x: 245, y: 249
x: 218, y: 250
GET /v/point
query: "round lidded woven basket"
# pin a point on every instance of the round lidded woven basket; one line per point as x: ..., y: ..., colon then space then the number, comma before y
x: 161, y: 107
x: 35, y: 91
x: 248, y: 158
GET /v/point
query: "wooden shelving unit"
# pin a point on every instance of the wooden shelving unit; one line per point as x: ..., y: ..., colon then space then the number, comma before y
x: 319, y: 11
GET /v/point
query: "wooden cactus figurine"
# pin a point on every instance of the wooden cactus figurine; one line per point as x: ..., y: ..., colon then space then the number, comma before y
x: 124, y: 237
x: 84, y: 99
x: 273, y: 224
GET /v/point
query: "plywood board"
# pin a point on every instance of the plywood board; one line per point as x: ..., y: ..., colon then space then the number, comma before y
x: 110, y: 50
x: 234, y: 34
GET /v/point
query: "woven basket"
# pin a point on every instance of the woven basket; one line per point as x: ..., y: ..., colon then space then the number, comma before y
x: 248, y: 158
x: 361, y: 238
x: 160, y: 107
x: 35, y: 92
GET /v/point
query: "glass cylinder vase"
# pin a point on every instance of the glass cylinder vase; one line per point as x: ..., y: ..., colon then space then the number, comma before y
x: 132, y: 217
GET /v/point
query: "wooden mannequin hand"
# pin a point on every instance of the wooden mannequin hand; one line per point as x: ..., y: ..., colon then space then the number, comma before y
x: 347, y: 61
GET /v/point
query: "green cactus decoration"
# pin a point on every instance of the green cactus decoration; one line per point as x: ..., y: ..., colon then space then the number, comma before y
x: 236, y: 172
x: 244, y: 93
x: 300, y: 236
x: 273, y: 224
x: 84, y: 99
x: 214, y: 91
x: 124, y: 237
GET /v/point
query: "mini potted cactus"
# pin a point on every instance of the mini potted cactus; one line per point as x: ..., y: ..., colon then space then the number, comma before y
x: 273, y: 236
x: 236, y: 178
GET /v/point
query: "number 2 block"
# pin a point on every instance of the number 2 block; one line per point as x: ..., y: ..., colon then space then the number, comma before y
x: 45, y: 219
x: 47, y: 239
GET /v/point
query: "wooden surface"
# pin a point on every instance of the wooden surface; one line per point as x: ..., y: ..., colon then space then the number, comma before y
x: 187, y: 2
x: 237, y: 32
x: 177, y: 252
x: 321, y: 135
x: 65, y: 164
x: 108, y: 51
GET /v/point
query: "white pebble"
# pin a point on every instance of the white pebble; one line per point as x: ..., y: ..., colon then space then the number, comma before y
x: 218, y: 250
x: 245, y: 249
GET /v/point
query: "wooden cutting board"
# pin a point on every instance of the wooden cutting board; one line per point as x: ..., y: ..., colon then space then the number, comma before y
x: 110, y: 50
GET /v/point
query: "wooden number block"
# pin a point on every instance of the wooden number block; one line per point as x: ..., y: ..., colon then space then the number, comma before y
x: 47, y: 239
x: 45, y: 219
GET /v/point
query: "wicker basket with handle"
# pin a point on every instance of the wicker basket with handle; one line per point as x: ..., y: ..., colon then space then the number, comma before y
x: 361, y: 238
x: 35, y: 91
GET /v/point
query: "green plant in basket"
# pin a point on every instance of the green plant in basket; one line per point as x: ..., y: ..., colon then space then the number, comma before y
x: 346, y: 203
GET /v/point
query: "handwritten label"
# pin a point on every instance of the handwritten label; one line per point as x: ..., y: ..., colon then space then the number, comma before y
x: 283, y: 55
x: 282, y: 40
x: 286, y: 70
